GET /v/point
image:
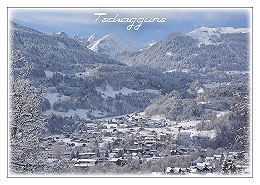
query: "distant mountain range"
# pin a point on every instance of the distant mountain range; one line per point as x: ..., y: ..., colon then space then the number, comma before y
x: 202, y: 50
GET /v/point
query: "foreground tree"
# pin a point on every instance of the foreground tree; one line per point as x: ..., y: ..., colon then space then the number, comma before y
x: 26, y: 122
x: 241, y: 116
x: 228, y: 167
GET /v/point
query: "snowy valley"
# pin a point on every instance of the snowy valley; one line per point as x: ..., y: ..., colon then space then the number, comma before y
x: 179, y: 105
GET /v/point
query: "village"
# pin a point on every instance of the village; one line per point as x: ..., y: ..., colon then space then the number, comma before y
x: 121, y: 139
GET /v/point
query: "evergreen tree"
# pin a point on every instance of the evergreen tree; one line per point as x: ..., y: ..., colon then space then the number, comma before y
x: 26, y: 121
x: 228, y: 167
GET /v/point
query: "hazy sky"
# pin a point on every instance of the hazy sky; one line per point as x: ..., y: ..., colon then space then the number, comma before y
x: 81, y: 21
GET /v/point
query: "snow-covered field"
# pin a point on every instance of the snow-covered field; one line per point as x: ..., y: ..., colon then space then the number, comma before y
x: 157, y: 117
x: 218, y: 113
x: 53, y: 97
x: 207, y: 133
x: 82, y: 113
x: 169, y: 53
x: 48, y: 73
x: 209, y: 86
x: 188, y: 123
x: 84, y: 74
x: 109, y: 91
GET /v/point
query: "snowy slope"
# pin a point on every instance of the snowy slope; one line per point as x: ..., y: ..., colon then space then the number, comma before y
x: 81, y: 39
x: 204, y: 34
x: 92, y: 39
x: 110, y: 92
x: 151, y: 43
x: 86, y: 40
x: 112, y: 44
x: 61, y: 34
x: 182, y: 51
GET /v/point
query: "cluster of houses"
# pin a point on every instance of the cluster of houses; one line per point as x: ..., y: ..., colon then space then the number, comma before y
x: 122, y: 139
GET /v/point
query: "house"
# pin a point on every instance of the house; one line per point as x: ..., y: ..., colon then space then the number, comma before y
x: 117, y: 161
x: 135, y: 150
x: 82, y: 163
x: 116, y: 150
x: 150, y: 142
x: 193, y: 169
x: 177, y: 170
x: 162, y: 136
x: 67, y: 154
x: 201, y: 159
x: 169, y: 170
x: 177, y: 152
x: 217, y: 157
x: 86, y: 155
x: 204, y: 167
x: 112, y: 154
x: 209, y: 159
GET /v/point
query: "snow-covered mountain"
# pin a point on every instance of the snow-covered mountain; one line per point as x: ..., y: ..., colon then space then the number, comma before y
x: 151, y: 43
x: 81, y: 83
x: 61, y: 34
x: 92, y: 39
x: 86, y: 40
x: 202, y: 50
x: 112, y: 45
x: 205, y: 35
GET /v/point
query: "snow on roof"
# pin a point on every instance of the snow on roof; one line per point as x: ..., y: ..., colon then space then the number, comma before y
x: 156, y: 173
x: 113, y: 159
x: 87, y: 153
x: 86, y: 160
x: 202, y: 164
x: 200, y: 91
x: 83, y: 165
x: 168, y: 169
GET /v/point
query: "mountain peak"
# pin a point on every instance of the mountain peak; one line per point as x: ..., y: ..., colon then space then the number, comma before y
x: 61, y: 34
x: 112, y: 44
x: 151, y: 43
x: 92, y: 37
x: 111, y: 36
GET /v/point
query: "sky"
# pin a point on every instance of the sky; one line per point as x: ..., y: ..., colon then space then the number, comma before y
x: 82, y: 21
